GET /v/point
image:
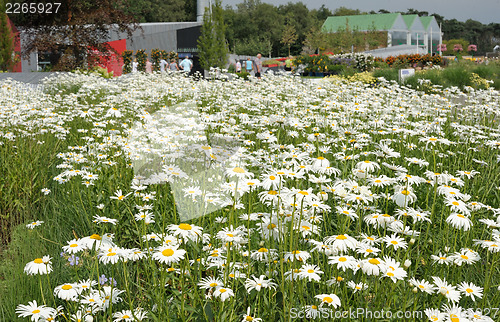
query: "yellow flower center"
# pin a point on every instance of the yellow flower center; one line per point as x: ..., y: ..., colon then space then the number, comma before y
x: 67, y: 287
x: 96, y: 237
x: 374, y: 261
x: 455, y: 203
x: 238, y: 170
x: 469, y: 290
x: 342, y: 259
x: 390, y: 274
x: 185, y: 226
x: 222, y: 290
x: 125, y: 317
x: 111, y: 254
x: 36, y: 311
x: 405, y: 192
x: 38, y: 261
x: 167, y: 252
x: 271, y: 226
x: 310, y: 271
x: 341, y: 237
x: 327, y: 299
x: 230, y: 235
x: 262, y: 250
x: 213, y: 284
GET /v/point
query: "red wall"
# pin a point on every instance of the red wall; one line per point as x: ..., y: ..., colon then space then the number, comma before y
x: 111, y: 61
x: 115, y: 62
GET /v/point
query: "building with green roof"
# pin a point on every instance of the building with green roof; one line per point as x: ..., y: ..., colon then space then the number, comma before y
x: 416, y: 30
x: 433, y: 33
x: 401, y: 29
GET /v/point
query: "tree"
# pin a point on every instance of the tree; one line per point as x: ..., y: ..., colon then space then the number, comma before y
x: 343, y: 11
x: 315, y: 41
x: 77, y: 27
x: 322, y: 13
x: 212, y: 42
x: 289, y: 36
x: 6, y: 41
x: 161, y: 10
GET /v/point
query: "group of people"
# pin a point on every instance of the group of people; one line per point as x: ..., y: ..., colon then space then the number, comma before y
x: 256, y: 65
x: 185, y: 65
x: 249, y: 65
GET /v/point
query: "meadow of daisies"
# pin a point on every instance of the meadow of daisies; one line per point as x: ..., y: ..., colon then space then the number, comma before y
x: 161, y: 197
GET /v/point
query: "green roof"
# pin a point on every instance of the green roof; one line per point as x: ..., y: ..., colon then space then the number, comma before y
x: 383, y: 21
x: 426, y: 21
x: 409, y: 19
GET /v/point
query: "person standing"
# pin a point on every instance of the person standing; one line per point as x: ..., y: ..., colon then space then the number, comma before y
x: 248, y: 65
x: 163, y: 65
x: 149, y: 66
x: 135, y: 65
x: 238, y: 66
x: 173, y: 65
x: 258, y: 66
x: 186, y: 65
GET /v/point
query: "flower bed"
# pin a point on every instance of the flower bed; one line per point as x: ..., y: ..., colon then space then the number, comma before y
x: 161, y: 197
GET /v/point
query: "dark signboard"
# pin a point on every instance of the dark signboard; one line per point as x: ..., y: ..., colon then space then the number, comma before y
x: 187, y: 39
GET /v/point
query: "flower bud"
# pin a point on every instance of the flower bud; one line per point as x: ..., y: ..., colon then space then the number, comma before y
x: 407, y: 263
x: 415, y: 290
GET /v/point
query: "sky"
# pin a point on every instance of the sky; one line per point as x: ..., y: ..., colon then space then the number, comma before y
x: 485, y: 11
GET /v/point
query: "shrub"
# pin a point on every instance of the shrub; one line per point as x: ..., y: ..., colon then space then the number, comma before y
x: 387, y: 73
x: 155, y: 58
x: 141, y: 59
x: 271, y: 62
x: 127, y: 61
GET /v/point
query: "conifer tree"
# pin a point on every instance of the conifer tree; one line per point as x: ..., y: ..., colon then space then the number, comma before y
x: 212, y: 42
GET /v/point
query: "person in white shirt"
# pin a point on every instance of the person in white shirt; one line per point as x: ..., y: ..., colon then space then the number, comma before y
x: 238, y: 66
x: 163, y: 65
x: 135, y: 64
x: 186, y: 65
